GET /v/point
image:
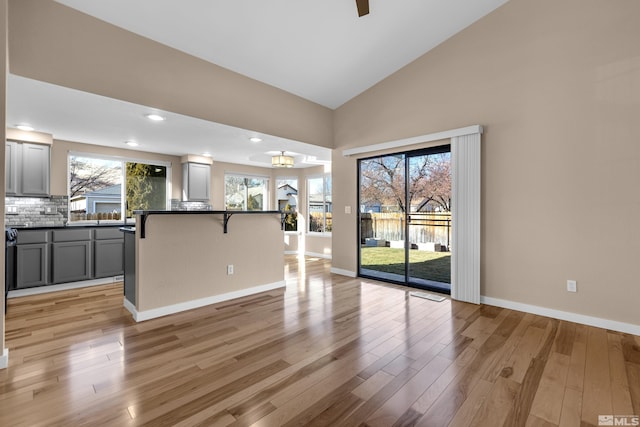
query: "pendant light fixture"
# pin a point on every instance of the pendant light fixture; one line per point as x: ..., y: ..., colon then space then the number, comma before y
x: 282, y: 161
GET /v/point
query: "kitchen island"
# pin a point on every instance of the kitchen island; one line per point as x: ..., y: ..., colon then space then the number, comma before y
x: 189, y: 259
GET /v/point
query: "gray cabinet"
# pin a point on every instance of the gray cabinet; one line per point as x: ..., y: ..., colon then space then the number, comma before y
x: 11, y: 167
x: 32, y: 258
x: 70, y: 261
x: 71, y: 255
x: 61, y: 255
x: 196, y: 182
x: 27, y: 169
x: 108, y: 252
x: 108, y: 255
x: 32, y: 265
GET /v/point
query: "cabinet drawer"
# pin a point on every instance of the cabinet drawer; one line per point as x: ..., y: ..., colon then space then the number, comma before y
x: 71, y: 235
x: 108, y: 233
x: 27, y: 237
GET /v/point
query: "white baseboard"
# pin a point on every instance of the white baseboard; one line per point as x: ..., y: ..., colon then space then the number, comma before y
x: 4, y: 359
x: 598, y: 322
x: 61, y: 287
x: 130, y: 307
x: 140, y: 316
x: 342, y: 272
x: 291, y: 252
x: 317, y: 255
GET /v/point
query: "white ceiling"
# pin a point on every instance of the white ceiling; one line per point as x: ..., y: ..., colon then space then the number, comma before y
x: 73, y: 115
x: 319, y: 50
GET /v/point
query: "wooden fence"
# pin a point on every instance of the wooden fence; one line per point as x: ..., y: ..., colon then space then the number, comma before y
x: 424, y: 227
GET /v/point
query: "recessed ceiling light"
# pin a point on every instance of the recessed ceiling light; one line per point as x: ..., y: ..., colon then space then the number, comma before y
x: 255, y: 139
x: 207, y: 154
x: 131, y: 143
x: 155, y: 117
x: 25, y: 127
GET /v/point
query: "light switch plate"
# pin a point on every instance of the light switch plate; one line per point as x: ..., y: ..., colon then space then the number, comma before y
x: 347, y: 209
x: 11, y: 210
x: 572, y: 286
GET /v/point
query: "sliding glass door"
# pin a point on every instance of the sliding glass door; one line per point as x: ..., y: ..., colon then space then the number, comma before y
x: 405, y: 218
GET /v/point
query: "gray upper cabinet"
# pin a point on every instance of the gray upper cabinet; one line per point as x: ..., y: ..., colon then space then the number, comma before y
x: 27, y: 169
x: 196, y: 182
x: 11, y: 164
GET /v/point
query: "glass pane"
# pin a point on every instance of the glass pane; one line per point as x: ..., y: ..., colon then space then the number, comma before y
x: 287, y: 199
x: 316, y: 205
x: 382, y: 217
x: 245, y: 193
x: 146, y: 187
x: 95, y: 189
x: 327, y: 204
x: 430, y: 221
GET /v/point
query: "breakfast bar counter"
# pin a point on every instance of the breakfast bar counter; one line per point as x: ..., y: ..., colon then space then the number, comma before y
x: 189, y: 259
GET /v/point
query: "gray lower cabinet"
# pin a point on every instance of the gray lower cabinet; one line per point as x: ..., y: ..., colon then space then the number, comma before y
x: 71, y: 261
x: 108, y: 256
x: 61, y: 255
x: 32, y: 265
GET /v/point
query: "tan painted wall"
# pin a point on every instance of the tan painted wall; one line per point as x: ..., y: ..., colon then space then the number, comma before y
x: 557, y: 86
x: 60, y: 169
x: 3, y: 112
x: 59, y: 45
x: 185, y: 257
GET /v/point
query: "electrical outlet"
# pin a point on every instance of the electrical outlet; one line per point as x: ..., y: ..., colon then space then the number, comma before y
x: 230, y: 269
x: 11, y: 210
x: 572, y: 286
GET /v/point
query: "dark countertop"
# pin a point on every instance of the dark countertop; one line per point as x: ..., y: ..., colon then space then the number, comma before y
x: 57, y: 227
x: 200, y: 212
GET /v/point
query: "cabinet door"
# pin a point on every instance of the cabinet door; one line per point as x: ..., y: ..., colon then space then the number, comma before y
x: 197, y: 180
x: 108, y: 257
x: 35, y: 169
x: 71, y: 261
x: 10, y: 167
x: 32, y: 265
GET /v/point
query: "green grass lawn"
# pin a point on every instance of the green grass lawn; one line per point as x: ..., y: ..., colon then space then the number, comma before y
x: 423, y: 264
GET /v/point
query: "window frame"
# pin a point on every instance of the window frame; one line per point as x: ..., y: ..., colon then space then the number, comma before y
x: 123, y: 160
x: 277, y: 179
x: 267, y: 182
x: 324, y: 177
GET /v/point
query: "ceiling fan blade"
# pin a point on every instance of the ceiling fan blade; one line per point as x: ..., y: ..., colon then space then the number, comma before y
x: 363, y: 7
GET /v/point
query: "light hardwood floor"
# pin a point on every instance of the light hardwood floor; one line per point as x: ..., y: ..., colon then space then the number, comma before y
x: 328, y: 351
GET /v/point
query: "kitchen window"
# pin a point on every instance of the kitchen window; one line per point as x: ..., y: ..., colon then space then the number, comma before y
x: 319, y: 203
x: 102, y: 187
x: 246, y: 193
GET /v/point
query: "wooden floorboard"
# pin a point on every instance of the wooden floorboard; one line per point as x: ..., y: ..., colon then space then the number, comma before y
x: 327, y: 351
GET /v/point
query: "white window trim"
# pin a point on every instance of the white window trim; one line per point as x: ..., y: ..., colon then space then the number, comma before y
x: 324, y: 195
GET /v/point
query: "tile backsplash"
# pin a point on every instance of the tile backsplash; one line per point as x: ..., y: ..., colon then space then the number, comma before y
x: 36, y: 211
x: 179, y: 205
